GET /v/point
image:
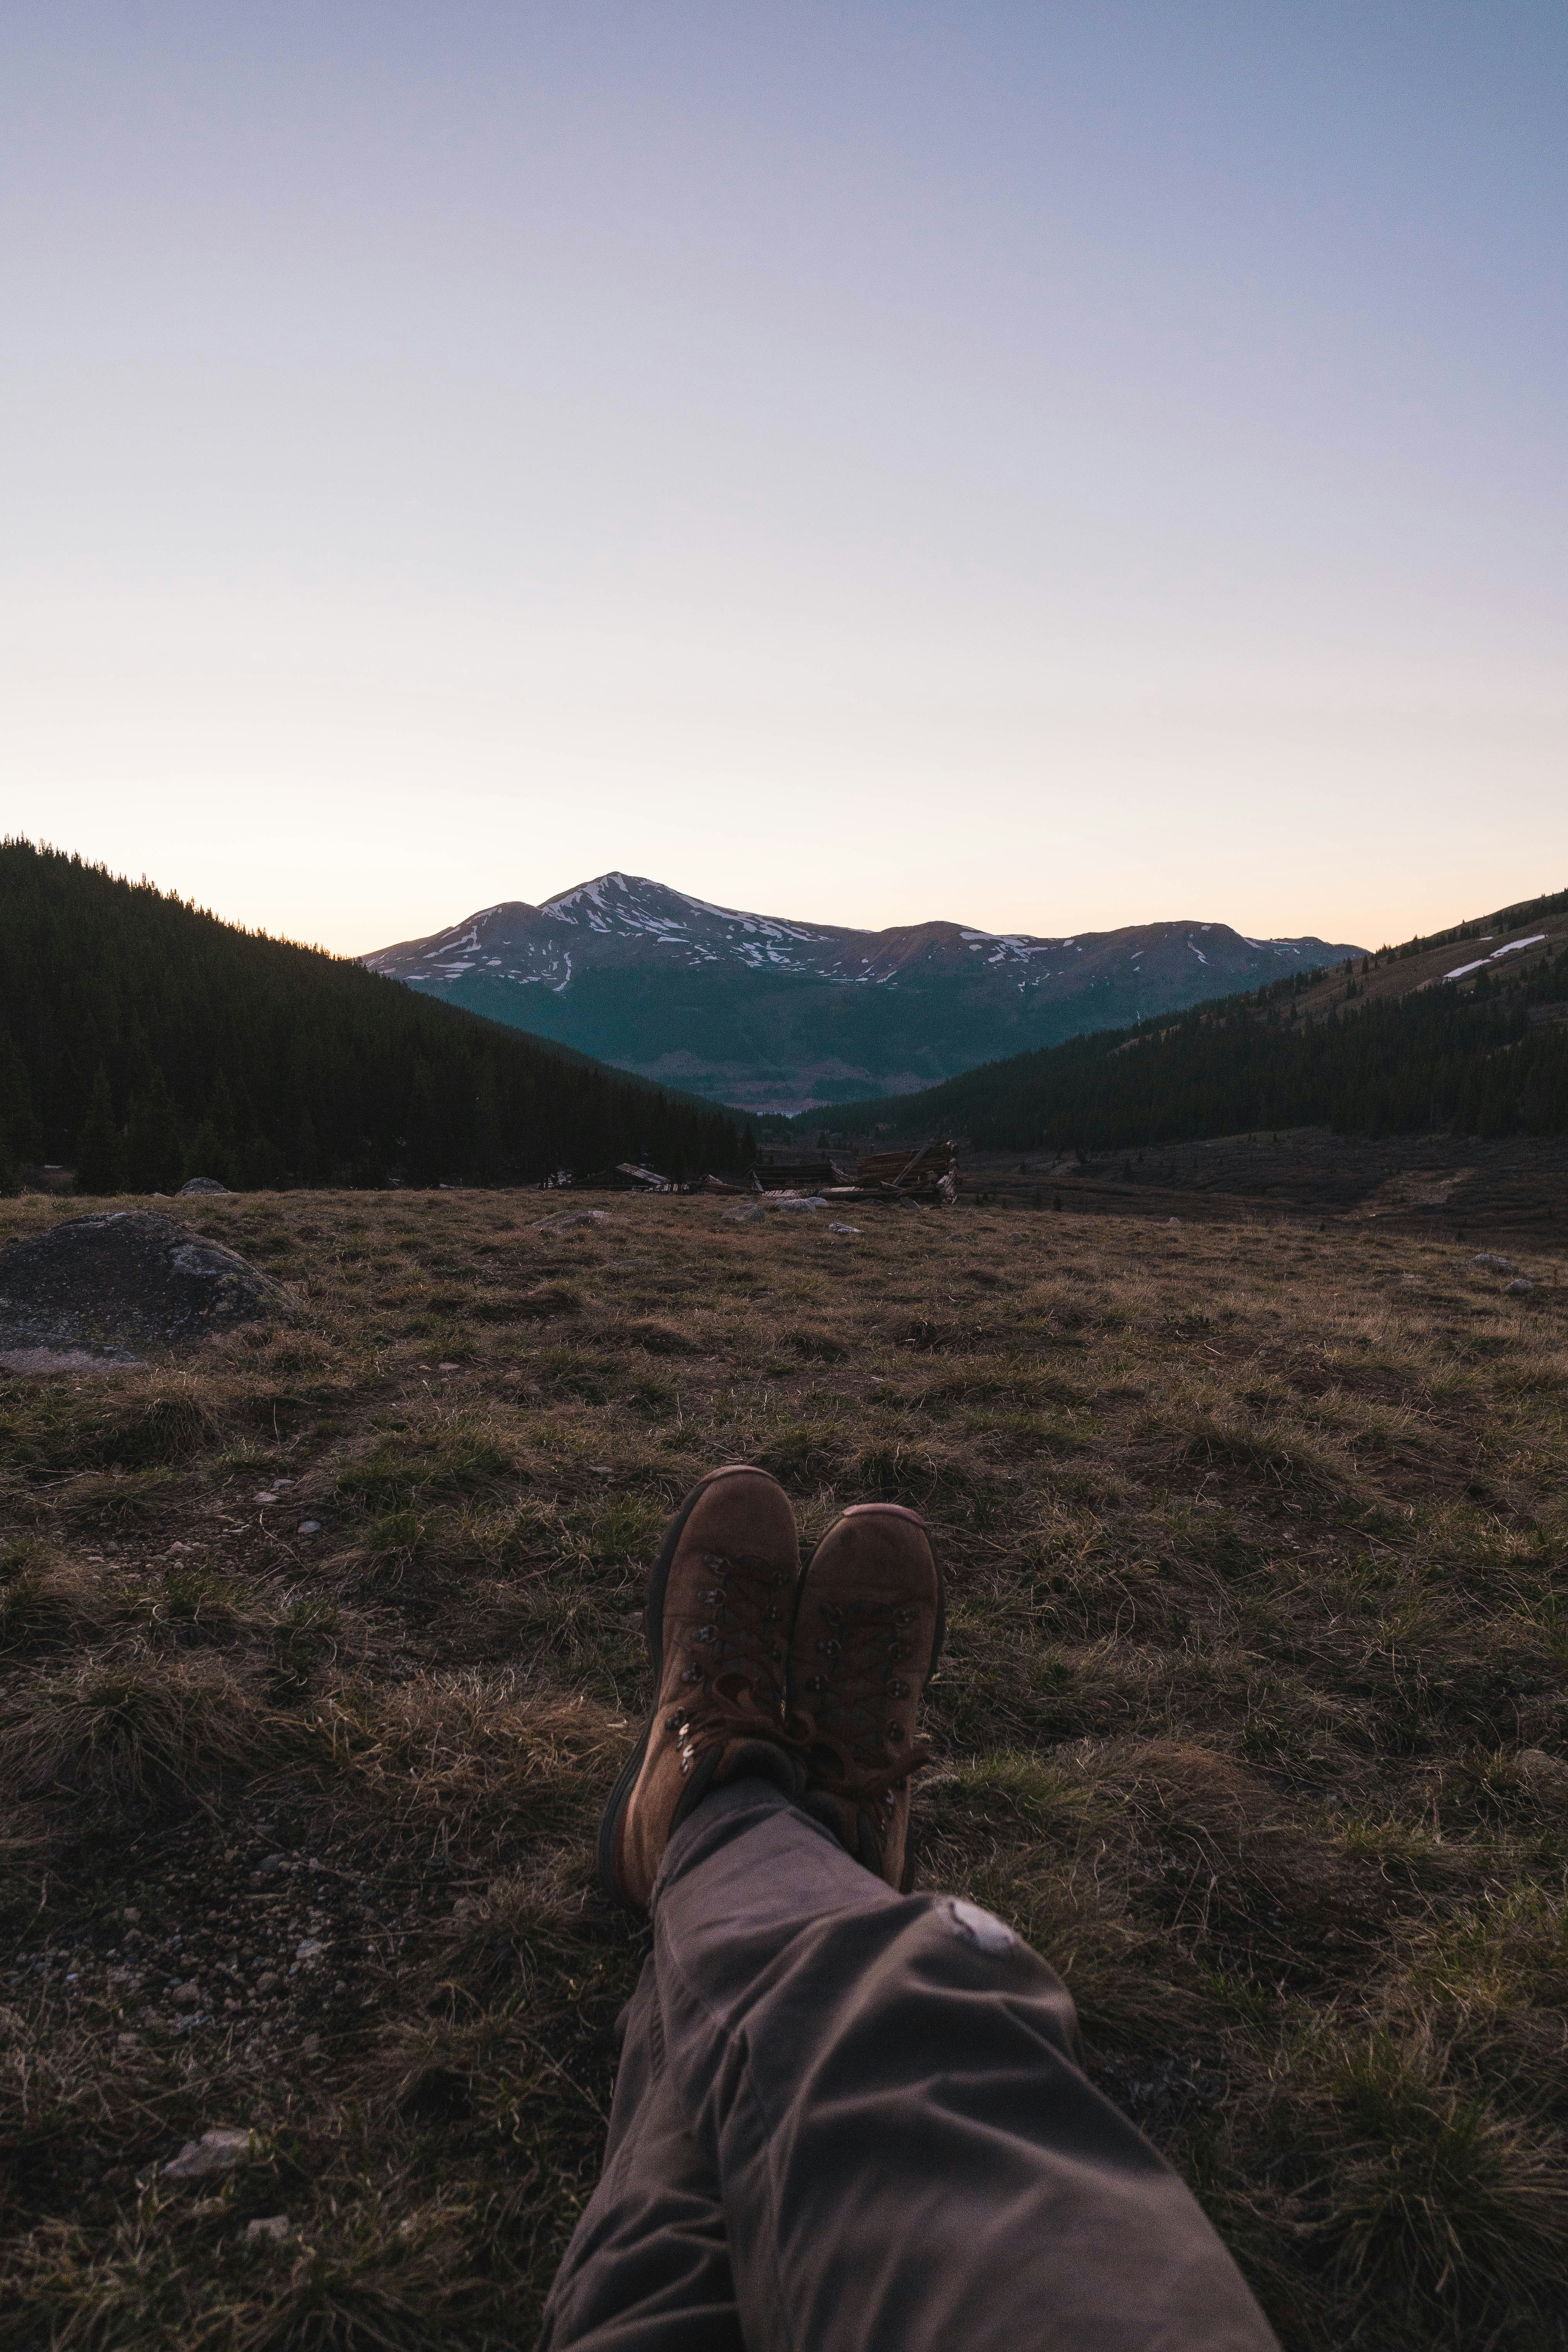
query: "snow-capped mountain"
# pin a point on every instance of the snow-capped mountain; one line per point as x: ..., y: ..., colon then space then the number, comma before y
x: 775, y: 1014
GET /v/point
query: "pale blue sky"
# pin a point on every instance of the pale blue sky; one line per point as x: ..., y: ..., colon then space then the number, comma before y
x: 1044, y: 466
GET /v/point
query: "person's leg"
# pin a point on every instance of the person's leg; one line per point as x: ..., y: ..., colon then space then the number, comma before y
x: 648, y: 2266
x: 648, y: 2269
x: 886, y: 2089
x: 882, y: 2088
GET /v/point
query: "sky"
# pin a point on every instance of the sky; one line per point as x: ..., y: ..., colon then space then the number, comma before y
x: 1047, y: 467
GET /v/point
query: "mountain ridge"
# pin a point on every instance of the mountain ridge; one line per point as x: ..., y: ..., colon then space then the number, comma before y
x: 1425, y: 1037
x: 768, y: 1012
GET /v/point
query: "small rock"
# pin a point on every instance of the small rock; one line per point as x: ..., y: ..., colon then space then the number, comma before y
x: 573, y: 1220
x: 1541, y: 1769
x: 266, y: 1498
x: 269, y: 1863
x: 448, y: 1368
x: 202, y: 1184
x: 276, y: 2230
x: 308, y: 1528
x: 218, y: 2151
x: 843, y: 1229
x: 1491, y: 1258
x: 267, y: 1981
x: 1173, y: 1220
x: 311, y: 2044
x: 131, y: 1914
x: 802, y: 1200
x: 310, y: 1949
x: 747, y: 1213
x: 126, y: 2042
x: 187, y: 1996
x: 1520, y: 1282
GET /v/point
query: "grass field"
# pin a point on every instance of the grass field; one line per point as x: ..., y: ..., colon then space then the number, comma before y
x: 1252, y: 1719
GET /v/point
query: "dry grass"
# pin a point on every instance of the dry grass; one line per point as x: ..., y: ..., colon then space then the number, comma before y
x: 1252, y: 1718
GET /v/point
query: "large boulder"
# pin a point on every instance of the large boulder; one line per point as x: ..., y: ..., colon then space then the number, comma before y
x: 115, y: 1284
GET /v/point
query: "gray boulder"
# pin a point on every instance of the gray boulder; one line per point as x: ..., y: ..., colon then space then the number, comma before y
x: 573, y: 1220
x: 202, y: 1184
x: 123, y: 1281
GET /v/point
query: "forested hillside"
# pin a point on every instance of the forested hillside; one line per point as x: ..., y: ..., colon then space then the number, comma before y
x: 142, y: 1042
x: 1484, y: 1055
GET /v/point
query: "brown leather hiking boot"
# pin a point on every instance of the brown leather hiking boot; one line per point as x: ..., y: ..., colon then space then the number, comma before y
x: 868, y: 1634
x: 720, y: 1604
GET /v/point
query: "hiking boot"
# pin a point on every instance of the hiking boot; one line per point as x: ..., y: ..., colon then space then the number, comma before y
x: 717, y: 1620
x: 868, y: 1634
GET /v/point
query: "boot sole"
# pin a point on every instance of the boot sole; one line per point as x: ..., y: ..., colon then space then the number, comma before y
x: 653, y: 1633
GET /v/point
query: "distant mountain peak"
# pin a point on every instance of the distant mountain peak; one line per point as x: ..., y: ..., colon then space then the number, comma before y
x: 761, y: 1010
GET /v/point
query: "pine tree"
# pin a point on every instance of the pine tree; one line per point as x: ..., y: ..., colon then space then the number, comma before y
x: 307, y: 1153
x: 101, y: 1148
x: 18, y: 1116
x: 156, y: 1146
x: 486, y: 1154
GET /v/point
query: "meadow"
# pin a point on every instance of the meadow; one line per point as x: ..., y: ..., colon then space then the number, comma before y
x: 318, y: 1650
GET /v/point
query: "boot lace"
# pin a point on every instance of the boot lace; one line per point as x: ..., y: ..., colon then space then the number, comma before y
x: 732, y: 1686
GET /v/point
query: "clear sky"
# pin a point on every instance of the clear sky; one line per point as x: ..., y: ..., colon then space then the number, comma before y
x: 1045, y: 465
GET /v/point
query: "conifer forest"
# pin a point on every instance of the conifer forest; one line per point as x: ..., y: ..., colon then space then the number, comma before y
x: 142, y: 1041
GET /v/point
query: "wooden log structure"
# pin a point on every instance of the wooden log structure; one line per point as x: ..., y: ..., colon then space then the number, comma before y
x: 905, y: 1170
x: 626, y: 1176
x: 797, y: 1175
x: 928, y: 1173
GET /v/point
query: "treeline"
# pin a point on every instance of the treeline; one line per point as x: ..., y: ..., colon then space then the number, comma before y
x: 143, y: 1042
x: 1471, y: 1061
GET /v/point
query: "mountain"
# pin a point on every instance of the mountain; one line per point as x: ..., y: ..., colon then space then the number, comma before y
x: 143, y: 1042
x: 1465, y: 1030
x: 772, y: 1015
